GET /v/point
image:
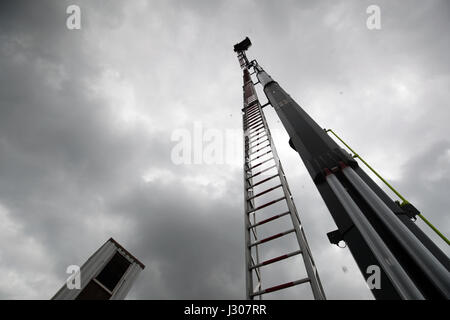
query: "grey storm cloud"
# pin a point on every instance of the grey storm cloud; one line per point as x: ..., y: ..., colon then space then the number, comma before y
x: 87, y: 119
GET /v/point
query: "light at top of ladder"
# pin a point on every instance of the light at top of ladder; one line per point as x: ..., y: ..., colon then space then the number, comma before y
x: 243, y: 45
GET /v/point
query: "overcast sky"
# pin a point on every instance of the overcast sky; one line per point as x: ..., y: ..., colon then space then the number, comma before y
x: 87, y: 119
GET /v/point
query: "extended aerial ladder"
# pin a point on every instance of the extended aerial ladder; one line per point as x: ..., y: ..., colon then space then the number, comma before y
x: 263, y: 177
x: 378, y: 231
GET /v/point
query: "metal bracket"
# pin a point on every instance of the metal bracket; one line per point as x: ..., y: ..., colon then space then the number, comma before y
x: 292, y: 144
x: 409, y: 209
x: 335, y: 237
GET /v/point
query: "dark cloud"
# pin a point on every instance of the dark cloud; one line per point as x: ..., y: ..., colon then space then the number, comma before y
x: 191, y: 245
x: 86, y: 119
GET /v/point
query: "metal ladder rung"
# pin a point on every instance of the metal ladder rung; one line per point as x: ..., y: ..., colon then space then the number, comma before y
x: 249, y: 105
x: 252, y: 113
x: 248, y: 118
x: 259, y: 143
x: 280, y: 287
x: 264, y: 192
x: 256, y: 124
x: 275, y: 236
x: 252, y: 110
x: 270, y: 261
x: 253, y: 122
x: 252, y: 107
x: 264, y: 135
x: 253, y: 125
x: 250, y: 136
x: 261, y: 163
x: 267, y: 204
x: 256, y: 129
x: 251, y: 100
x: 262, y: 171
x: 264, y: 180
x: 269, y: 219
x: 253, y: 133
x: 253, y: 116
x: 261, y: 155
x: 258, y: 150
x: 252, y: 152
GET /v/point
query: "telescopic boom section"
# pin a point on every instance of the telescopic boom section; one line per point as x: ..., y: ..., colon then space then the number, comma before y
x: 377, y: 230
